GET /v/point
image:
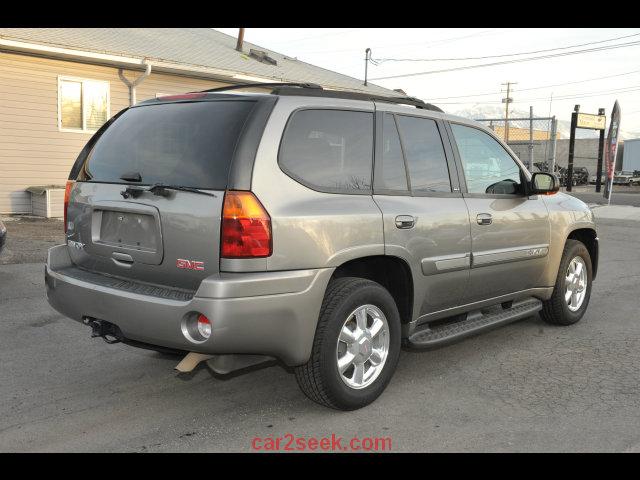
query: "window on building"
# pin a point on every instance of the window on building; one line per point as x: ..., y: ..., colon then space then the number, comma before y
x: 329, y: 150
x: 83, y: 104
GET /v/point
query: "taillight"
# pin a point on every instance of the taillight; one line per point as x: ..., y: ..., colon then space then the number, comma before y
x: 67, y: 194
x: 246, y: 227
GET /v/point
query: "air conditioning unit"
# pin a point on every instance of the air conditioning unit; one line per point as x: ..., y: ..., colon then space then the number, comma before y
x: 47, y: 201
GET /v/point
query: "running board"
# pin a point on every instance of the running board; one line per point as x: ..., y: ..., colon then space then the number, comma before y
x: 473, y: 323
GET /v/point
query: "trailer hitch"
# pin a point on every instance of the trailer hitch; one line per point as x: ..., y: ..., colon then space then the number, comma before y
x: 109, y: 332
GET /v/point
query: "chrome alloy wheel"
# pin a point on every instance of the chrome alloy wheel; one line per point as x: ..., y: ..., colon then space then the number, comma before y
x: 363, y: 346
x: 575, y: 283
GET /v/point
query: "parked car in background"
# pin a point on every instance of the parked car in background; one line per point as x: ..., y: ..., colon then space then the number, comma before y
x: 580, y: 176
x: 626, y: 177
x: 3, y: 234
x: 594, y: 179
x: 243, y: 227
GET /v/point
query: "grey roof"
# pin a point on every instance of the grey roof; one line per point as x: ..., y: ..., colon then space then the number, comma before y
x: 196, y: 47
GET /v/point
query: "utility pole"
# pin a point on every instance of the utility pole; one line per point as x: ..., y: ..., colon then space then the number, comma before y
x: 507, y: 101
x: 240, y: 40
x: 367, y: 57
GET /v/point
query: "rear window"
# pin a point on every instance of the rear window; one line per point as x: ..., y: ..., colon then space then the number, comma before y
x: 329, y: 150
x: 187, y: 144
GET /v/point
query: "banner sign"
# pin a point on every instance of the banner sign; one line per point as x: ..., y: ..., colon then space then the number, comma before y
x: 611, y: 147
x: 593, y: 122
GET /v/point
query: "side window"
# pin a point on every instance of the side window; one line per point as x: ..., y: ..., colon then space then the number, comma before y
x: 488, y: 168
x: 329, y: 150
x: 423, y: 149
x: 392, y: 174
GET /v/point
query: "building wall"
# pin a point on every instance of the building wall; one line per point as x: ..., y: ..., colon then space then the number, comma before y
x: 585, y: 153
x: 33, y: 151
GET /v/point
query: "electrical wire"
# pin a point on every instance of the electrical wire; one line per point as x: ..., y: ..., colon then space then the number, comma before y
x: 557, y: 98
x: 382, y: 60
x: 434, y: 42
x: 541, y: 87
x: 518, y: 60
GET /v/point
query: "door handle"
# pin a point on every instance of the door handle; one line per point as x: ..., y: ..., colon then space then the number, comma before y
x: 122, y: 259
x: 484, y: 219
x: 405, y: 221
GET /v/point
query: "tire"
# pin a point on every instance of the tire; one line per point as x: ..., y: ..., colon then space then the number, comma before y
x: 557, y: 310
x: 319, y: 378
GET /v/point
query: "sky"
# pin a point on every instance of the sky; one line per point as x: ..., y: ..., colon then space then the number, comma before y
x: 343, y: 50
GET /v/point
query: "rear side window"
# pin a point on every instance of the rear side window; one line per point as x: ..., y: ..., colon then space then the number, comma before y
x: 329, y: 150
x: 392, y: 175
x: 188, y: 144
x: 426, y: 160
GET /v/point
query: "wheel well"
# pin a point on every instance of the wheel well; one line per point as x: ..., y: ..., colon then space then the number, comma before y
x: 392, y: 273
x: 589, y: 238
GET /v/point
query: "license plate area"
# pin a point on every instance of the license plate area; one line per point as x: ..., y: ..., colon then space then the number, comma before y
x: 132, y: 229
x: 129, y: 230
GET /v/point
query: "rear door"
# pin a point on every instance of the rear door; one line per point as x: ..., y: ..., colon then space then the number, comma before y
x: 425, y: 217
x: 509, y: 230
x: 170, y: 237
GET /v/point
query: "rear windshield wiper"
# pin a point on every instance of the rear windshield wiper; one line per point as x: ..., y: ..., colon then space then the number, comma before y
x: 160, y: 189
x: 131, y: 177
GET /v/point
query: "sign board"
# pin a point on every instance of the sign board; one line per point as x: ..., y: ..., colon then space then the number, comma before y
x: 590, y: 121
x: 610, y: 149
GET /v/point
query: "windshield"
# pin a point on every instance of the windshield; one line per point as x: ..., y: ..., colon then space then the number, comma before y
x: 188, y: 144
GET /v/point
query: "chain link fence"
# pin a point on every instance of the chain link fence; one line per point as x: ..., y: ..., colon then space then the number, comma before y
x: 533, y: 139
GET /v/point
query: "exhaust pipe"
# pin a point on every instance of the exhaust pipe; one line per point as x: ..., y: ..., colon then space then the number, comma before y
x: 222, y: 364
x: 191, y: 361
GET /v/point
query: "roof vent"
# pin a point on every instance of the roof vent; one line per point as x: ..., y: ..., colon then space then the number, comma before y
x: 262, y: 56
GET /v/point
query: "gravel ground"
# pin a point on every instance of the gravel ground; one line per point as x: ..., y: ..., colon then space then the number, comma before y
x: 29, y: 238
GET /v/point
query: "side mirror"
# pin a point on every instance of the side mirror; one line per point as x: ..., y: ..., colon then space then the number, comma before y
x: 544, y: 183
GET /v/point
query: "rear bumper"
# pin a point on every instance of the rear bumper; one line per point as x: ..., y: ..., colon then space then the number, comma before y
x: 264, y: 313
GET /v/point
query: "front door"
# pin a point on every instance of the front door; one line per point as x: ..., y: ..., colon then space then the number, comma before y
x: 425, y: 221
x: 509, y: 230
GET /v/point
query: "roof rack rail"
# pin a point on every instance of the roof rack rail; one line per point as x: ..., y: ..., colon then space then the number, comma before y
x: 263, y: 85
x: 401, y: 100
x: 315, y: 90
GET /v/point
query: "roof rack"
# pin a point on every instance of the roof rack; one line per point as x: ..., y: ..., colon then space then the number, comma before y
x: 263, y: 85
x: 415, y: 102
x: 314, y: 90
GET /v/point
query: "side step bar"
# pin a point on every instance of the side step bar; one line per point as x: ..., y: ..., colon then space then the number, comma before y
x: 473, y: 323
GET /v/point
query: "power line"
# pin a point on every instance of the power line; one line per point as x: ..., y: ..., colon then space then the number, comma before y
x: 541, y: 87
x: 560, y: 97
x: 311, y: 37
x: 382, y: 60
x: 442, y: 41
x: 517, y: 60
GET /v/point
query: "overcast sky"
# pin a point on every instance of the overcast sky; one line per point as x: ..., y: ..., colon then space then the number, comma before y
x: 342, y: 50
